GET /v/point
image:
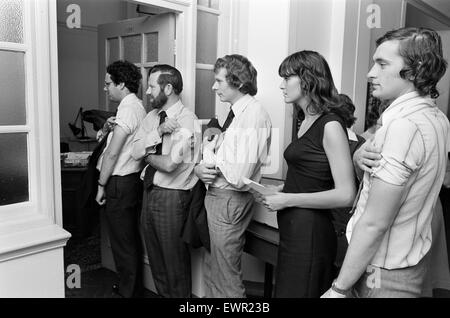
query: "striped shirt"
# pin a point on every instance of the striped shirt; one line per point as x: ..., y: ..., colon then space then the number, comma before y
x: 414, y: 139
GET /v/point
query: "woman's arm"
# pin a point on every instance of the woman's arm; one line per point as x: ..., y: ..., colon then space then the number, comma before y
x: 335, y: 144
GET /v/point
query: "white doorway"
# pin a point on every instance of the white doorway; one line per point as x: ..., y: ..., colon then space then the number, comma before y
x: 145, y: 41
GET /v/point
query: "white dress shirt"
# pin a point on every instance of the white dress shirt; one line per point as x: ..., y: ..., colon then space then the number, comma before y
x: 186, y: 137
x: 130, y: 114
x: 245, y: 145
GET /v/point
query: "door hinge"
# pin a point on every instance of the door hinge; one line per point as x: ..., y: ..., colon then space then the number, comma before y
x: 174, y: 47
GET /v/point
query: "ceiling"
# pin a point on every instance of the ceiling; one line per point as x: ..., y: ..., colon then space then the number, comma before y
x: 443, y: 6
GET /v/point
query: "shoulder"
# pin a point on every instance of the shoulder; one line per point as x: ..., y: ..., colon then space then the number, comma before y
x: 402, y: 138
x: 186, y: 114
x: 256, y: 111
x: 333, y: 129
x: 152, y: 114
x: 401, y: 127
x: 131, y: 109
x: 332, y: 117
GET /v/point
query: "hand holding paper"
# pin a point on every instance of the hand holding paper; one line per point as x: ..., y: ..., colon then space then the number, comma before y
x: 269, y: 196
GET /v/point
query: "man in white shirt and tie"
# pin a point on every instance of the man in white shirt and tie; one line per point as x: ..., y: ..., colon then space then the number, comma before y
x: 164, y: 140
x: 238, y: 152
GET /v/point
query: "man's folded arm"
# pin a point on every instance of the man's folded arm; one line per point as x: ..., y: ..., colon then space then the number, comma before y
x: 243, y: 152
x: 144, y: 143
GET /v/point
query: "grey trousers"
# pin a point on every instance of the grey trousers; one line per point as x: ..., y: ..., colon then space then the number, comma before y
x: 406, y: 282
x: 229, y: 214
x: 163, y: 214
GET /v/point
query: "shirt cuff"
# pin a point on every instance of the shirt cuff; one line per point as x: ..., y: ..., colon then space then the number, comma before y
x: 392, y: 171
x: 123, y: 125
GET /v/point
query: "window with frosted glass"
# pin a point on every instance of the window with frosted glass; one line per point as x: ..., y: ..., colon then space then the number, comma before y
x: 204, y: 3
x: 204, y: 95
x: 213, y: 4
x: 11, y: 21
x: 206, y: 37
x: 13, y: 168
x: 12, y: 88
x: 152, y: 47
x: 113, y: 46
x: 132, y: 48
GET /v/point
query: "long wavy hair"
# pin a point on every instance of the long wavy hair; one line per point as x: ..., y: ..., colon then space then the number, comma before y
x: 316, y: 82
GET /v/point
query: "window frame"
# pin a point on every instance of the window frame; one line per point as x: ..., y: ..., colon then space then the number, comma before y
x: 206, y: 66
x: 44, y: 206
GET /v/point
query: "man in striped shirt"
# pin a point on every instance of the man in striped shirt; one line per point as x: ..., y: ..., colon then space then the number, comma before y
x: 390, y: 231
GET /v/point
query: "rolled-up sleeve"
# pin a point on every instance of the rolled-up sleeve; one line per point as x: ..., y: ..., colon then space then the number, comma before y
x: 127, y: 119
x: 145, y: 140
x: 402, y: 152
x: 184, y: 139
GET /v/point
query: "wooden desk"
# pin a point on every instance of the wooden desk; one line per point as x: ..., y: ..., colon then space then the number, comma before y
x: 262, y: 242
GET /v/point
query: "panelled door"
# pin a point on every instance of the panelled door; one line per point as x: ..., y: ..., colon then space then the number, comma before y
x: 144, y: 41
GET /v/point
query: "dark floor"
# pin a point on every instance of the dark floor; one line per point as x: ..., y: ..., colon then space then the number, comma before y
x: 96, y: 282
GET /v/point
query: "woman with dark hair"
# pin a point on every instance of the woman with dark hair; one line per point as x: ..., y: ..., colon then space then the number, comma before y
x: 319, y: 177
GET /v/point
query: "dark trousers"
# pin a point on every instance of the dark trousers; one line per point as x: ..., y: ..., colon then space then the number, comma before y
x: 163, y: 214
x: 123, y: 202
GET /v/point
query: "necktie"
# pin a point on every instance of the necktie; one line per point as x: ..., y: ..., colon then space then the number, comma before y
x: 228, y: 120
x: 150, y: 171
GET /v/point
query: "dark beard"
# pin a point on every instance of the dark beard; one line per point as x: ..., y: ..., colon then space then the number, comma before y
x: 159, y: 101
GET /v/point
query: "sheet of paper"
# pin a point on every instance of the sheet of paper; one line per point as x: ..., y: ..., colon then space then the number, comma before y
x: 258, y: 187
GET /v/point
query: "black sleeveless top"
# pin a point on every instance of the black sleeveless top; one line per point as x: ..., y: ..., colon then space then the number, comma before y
x: 308, y: 166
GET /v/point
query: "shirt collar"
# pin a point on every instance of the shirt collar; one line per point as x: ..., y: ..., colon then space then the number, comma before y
x: 174, y: 110
x: 241, y: 104
x: 407, y: 102
x: 130, y: 98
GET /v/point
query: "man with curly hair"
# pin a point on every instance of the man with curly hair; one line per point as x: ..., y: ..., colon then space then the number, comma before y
x: 119, y: 187
x: 389, y: 233
x: 239, y: 151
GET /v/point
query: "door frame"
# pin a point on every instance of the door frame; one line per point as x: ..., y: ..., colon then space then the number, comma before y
x: 185, y: 38
x: 164, y: 24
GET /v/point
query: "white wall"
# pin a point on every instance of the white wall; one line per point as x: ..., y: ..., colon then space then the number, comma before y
x: 77, y: 57
x: 415, y: 18
x: 267, y: 47
x: 359, y: 46
x: 264, y: 39
x: 45, y: 279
